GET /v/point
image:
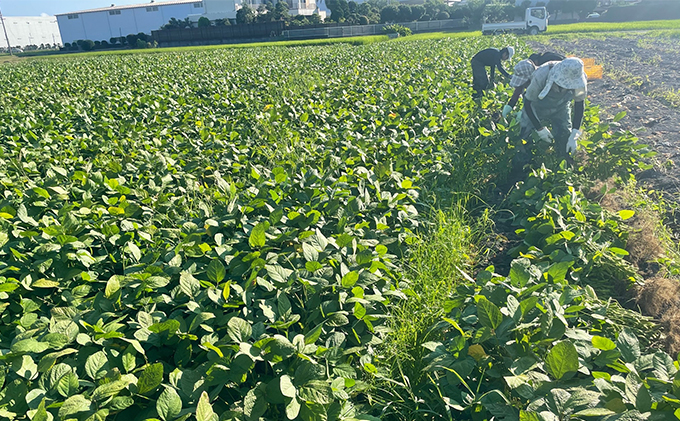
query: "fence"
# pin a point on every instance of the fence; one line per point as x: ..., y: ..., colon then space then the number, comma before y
x: 376, y: 29
x: 276, y: 30
x: 217, y: 34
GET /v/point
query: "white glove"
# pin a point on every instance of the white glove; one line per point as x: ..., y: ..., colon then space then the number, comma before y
x: 506, y: 110
x: 545, y: 135
x: 571, y: 144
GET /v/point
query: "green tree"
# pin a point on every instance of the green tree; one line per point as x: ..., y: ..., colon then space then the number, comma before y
x: 417, y: 11
x: 204, y: 22
x: 132, y: 39
x: 280, y: 11
x: 389, y: 13
x: 339, y: 10
x: 264, y: 12
x: 87, y: 45
x: 460, y: 12
x: 499, y: 12
x: 369, y: 10
x: 298, y: 21
x: 433, y: 7
x: 404, y: 14
x: 245, y: 15
x: 586, y: 7
x: 555, y: 7
x: 476, y: 8
x: 314, y: 19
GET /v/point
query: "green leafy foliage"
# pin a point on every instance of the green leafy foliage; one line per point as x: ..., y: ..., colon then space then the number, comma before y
x: 183, y: 236
x: 544, y: 361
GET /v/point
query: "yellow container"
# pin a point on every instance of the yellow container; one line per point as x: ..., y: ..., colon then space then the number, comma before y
x: 594, y: 72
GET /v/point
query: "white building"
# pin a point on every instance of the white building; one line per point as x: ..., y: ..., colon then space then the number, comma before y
x: 305, y: 8
x: 119, y: 21
x: 226, y: 9
x: 218, y: 9
x: 30, y: 30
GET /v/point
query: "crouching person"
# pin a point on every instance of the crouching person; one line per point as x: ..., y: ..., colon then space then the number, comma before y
x: 547, y: 101
x: 491, y: 57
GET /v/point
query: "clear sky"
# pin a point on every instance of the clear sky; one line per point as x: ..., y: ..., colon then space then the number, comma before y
x: 51, y: 7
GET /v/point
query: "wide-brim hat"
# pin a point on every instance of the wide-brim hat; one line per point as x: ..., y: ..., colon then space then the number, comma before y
x: 523, y: 71
x: 568, y: 74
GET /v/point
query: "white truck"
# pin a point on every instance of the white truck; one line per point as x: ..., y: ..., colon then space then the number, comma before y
x: 535, y: 21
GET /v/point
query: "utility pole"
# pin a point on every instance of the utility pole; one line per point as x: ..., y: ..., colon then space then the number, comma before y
x: 4, y: 26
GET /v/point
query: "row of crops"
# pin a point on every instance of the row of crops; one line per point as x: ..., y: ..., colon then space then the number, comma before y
x: 227, y: 235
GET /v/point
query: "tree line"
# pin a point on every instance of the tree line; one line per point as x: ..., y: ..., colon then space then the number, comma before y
x: 473, y: 12
x: 139, y: 41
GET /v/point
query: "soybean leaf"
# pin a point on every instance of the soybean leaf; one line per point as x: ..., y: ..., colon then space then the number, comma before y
x: 350, y: 279
x: 292, y: 409
x: 257, y: 237
x: 489, y: 314
x: 151, y: 378
x: 628, y: 345
x: 74, y: 405
x: 562, y: 360
x: 169, y: 404
x: 204, y: 410
x: 254, y: 404
x: 239, y: 330
x: 286, y: 386
x: 216, y: 271
x: 95, y: 364
x: 602, y: 343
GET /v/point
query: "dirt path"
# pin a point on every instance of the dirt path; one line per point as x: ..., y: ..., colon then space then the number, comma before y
x: 638, y: 70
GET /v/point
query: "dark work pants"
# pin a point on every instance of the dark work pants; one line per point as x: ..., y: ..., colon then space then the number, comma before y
x: 480, y: 80
x: 558, y: 115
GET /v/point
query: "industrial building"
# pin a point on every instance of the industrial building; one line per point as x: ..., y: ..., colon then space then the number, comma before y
x: 119, y: 21
x: 30, y: 30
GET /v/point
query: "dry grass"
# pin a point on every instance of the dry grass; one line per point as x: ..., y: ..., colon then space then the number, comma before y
x: 645, y: 241
x: 660, y: 298
x: 647, y: 244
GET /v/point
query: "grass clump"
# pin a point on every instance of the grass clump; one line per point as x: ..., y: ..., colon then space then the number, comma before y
x: 435, y: 269
x: 437, y: 266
